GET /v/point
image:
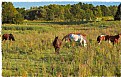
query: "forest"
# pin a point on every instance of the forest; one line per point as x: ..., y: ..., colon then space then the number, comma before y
x: 53, y: 12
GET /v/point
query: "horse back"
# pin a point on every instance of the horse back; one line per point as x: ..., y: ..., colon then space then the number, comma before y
x: 5, y: 37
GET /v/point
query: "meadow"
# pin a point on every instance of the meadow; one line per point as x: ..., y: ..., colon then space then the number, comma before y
x: 32, y: 53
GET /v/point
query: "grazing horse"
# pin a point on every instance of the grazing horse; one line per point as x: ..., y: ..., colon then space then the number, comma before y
x: 102, y: 38
x: 8, y: 37
x: 57, y: 44
x: 77, y: 37
x: 114, y: 39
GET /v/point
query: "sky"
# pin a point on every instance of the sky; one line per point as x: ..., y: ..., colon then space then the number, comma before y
x: 27, y: 5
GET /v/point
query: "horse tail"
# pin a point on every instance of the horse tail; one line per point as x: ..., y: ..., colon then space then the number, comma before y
x: 98, y: 39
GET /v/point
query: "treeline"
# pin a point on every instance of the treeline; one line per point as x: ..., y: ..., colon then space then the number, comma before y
x: 69, y: 12
x: 77, y: 12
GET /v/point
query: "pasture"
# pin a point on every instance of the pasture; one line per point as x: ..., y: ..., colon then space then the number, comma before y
x: 32, y: 53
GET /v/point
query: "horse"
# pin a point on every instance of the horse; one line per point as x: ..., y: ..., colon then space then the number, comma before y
x: 57, y: 44
x: 76, y: 37
x: 102, y: 38
x: 115, y: 39
x: 8, y: 37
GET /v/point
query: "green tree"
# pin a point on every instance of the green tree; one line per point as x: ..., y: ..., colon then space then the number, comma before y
x: 85, y: 6
x: 9, y: 13
x: 61, y: 13
x: 18, y: 19
x: 67, y: 14
x: 118, y: 13
x: 113, y: 10
x: 97, y: 11
x: 22, y: 11
x: 89, y: 15
x: 50, y: 12
x: 33, y: 14
x: 75, y: 11
x: 82, y: 14
x: 105, y: 10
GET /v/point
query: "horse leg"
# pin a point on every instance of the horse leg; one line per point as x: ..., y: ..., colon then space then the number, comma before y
x: 73, y: 44
x: 116, y: 41
x: 10, y: 43
x: 99, y: 42
x: 109, y: 41
x: 113, y: 42
x: 57, y: 50
x: 84, y: 43
x: 81, y: 42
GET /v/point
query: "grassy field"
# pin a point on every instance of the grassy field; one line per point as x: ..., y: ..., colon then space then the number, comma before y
x: 32, y: 54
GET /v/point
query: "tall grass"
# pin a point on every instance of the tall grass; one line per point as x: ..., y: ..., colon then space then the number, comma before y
x: 32, y: 54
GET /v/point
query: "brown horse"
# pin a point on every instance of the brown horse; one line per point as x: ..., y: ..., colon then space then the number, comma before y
x: 114, y: 39
x: 57, y: 44
x: 8, y: 37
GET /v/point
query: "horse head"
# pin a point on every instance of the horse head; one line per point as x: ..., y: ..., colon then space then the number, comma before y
x: 11, y: 37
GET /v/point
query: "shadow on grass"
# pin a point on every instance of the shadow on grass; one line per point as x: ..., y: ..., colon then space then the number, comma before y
x: 68, y: 23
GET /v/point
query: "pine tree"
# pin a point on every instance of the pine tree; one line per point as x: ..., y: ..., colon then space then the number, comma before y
x: 118, y: 13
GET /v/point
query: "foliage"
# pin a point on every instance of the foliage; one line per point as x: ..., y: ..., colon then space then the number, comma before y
x: 80, y: 11
x: 10, y: 14
x: 53, y: 12
x: 105, y: 10
x: 118, y: 13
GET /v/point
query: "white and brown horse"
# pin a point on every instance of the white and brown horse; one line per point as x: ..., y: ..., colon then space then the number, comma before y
x: 77, y: 37
x: 113, y: 39
x: 102, y: 38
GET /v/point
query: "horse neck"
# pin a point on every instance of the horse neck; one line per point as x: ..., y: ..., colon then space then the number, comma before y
x: 63, y: 38
x: 67, y: 36
x: 117, y: 36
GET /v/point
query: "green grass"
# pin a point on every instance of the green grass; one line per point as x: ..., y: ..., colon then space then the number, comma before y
x: 32, y: 54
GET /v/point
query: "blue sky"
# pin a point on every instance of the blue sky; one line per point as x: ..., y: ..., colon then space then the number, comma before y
x: 27, y: 5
